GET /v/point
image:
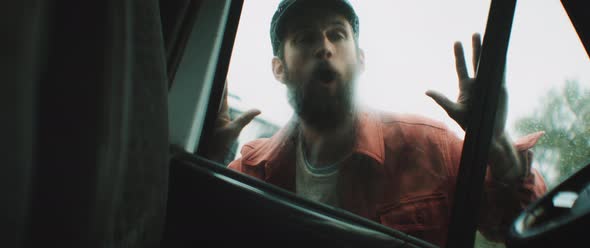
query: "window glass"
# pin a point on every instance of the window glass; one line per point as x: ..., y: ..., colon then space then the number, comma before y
x: 548, y: 83
x: 408, y: 48
x: 548, y: 74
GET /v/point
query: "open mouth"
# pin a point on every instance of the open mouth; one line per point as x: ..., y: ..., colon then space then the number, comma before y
x: 325, y: 75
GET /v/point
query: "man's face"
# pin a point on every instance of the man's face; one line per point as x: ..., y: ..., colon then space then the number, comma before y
x: 320, y: 66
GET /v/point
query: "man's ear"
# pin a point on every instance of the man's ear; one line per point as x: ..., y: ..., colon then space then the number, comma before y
x: 361, y: 59
x: 278, y: 69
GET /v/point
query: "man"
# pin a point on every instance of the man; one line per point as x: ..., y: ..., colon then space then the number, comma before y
x: 398, y: 170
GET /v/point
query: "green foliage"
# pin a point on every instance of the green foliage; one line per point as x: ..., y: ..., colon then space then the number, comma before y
x: 564, y: 115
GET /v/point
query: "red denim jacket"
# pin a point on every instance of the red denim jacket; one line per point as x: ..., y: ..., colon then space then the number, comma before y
x: 402, y: 175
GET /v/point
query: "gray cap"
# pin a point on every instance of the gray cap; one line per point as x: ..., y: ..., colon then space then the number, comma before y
x: 288, y: 7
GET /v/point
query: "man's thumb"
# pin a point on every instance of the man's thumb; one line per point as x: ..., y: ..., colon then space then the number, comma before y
x: 442, y: 100
x: 241, y: 121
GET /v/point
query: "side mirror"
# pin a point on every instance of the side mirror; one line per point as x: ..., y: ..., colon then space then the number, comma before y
x: 561, y: 218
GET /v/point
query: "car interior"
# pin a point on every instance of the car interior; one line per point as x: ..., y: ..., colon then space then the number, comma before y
x: 107, y: 107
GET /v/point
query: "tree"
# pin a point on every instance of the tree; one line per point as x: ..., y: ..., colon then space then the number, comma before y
x: 565, y: 117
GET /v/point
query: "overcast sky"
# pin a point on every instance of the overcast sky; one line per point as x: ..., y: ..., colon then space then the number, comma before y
x: 408, y: 46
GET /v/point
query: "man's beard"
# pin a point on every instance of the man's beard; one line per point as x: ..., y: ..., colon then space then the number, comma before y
x: 317, y: 106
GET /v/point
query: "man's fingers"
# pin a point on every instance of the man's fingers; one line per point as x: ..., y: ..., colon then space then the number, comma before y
x: 460, y: 62
x: 476, y: 43
x: 243, y: 120
x: 443, y: 101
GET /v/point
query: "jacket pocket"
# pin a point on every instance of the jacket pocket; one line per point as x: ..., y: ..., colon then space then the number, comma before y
x: 417, y: 214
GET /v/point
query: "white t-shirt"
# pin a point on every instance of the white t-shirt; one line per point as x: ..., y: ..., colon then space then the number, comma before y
x: 317, y: 184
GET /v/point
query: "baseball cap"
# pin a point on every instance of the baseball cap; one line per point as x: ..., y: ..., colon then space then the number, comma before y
x: 289, y: 7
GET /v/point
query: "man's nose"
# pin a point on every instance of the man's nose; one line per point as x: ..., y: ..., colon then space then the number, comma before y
x: 325, y: 49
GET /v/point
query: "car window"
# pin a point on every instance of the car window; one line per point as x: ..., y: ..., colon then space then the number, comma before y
x: 549, y: 83
x: 409, y: 50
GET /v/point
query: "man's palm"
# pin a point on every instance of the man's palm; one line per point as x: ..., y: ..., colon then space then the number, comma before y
x: 460, y: 109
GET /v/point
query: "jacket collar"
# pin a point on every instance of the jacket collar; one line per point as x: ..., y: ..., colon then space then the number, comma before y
x: 369, y: 142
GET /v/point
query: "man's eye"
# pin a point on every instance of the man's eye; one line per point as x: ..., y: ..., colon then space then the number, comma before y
x: 303, y: 38
x: 336, y: 36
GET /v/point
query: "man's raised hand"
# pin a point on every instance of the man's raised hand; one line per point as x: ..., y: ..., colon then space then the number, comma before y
x: 226, y: 131
x: 460, y: 109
